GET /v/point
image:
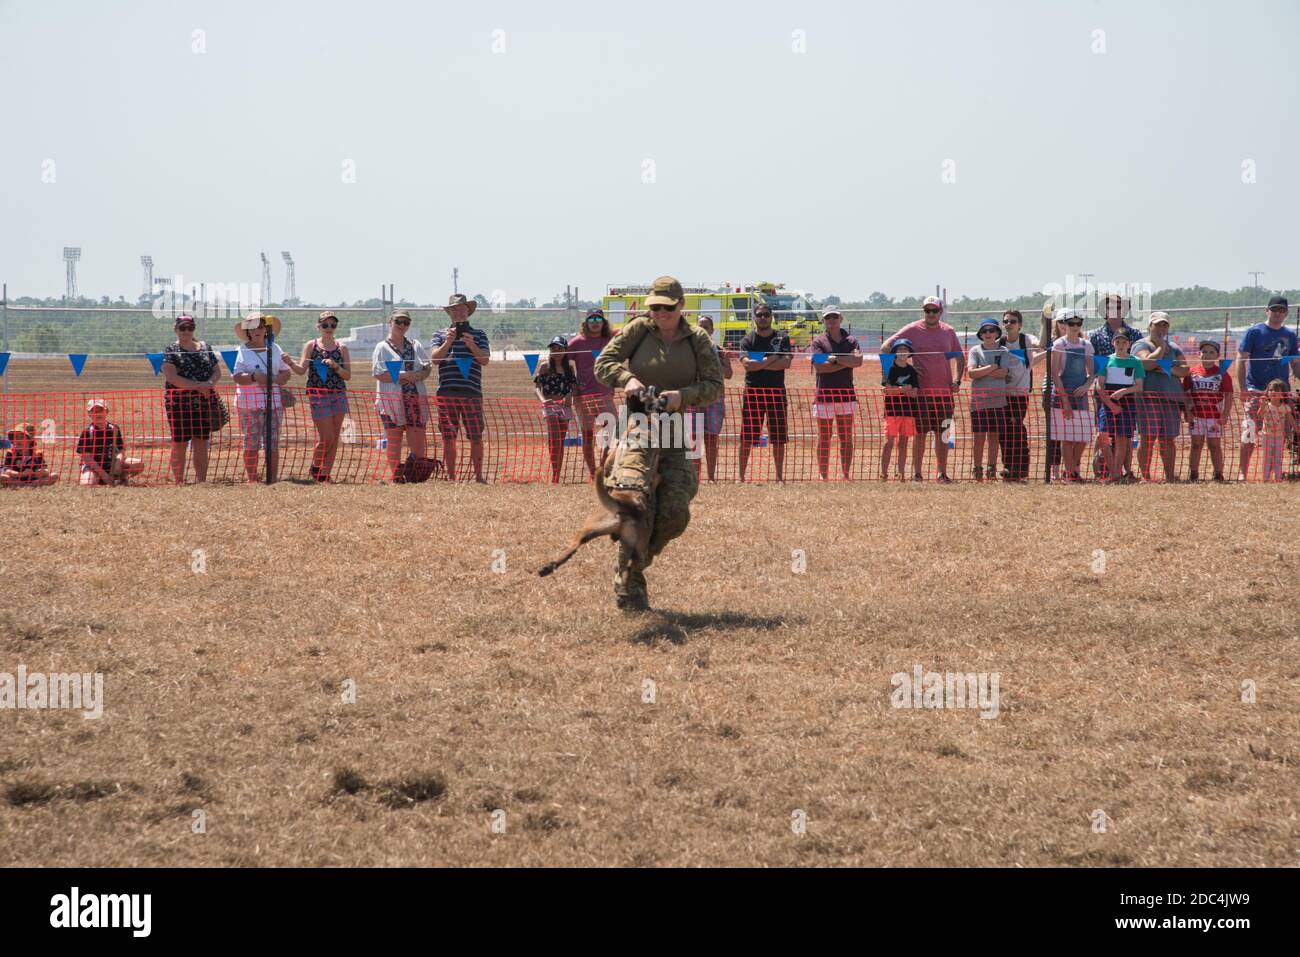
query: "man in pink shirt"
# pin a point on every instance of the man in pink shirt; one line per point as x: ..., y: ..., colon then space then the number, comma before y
x: 931, y: 338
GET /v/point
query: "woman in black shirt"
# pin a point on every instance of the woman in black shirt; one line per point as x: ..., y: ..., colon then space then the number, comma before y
x: 555, y: 381
x: 194, y: 410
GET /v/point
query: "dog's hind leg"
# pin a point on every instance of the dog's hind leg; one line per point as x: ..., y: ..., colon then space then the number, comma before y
x: 602, y: 523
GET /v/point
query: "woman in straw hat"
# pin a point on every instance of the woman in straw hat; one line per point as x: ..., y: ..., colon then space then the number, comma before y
x: 250, y: 374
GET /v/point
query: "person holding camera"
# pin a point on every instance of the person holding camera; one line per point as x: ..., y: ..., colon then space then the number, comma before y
x: 460, y: 390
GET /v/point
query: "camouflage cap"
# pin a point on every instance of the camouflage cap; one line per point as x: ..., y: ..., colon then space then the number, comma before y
x: 665, y: 291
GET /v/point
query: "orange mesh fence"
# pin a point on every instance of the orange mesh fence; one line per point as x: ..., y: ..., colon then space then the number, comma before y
x: 347, y: 437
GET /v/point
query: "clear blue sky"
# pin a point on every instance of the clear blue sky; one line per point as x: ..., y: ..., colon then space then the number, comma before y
x: 525, y: 167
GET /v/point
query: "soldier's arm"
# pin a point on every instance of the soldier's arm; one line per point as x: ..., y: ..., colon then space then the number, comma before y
x: 611, y: 365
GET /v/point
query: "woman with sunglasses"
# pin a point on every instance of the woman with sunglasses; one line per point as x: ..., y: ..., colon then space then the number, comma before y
x: 1072, y: 377
x: 194, y: 410
x: 328, y: 397
x: 664, y: 351
x: 402, y: 403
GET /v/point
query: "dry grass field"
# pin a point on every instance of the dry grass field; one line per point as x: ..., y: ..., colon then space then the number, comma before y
x: 479, y: 690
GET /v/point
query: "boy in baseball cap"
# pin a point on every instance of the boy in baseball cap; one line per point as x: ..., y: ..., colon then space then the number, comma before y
x: 102, y: 451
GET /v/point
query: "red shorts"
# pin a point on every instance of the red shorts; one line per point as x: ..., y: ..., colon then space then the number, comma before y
x: 900, y: 426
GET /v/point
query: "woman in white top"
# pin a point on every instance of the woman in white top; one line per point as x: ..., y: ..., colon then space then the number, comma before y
x: 403, y: 405
x: 250, y: 374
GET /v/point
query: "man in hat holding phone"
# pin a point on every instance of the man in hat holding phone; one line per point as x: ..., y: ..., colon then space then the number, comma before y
x: 250, y: 372
x: 460, y: 391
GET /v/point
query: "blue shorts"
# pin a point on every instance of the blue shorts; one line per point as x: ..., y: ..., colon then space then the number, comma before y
x: 1159, y: 418
x: 710, y: 417
x: 1117, y: 423
x: 327, y: 403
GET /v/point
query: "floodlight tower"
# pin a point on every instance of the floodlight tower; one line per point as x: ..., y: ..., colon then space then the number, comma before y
x: 147, y: 263
x: 71, y: 256
x: 290, y: 283
x: 266, y: 280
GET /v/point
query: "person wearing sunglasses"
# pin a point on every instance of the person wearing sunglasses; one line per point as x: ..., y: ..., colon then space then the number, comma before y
x: 664, y: 351
x: 932, y: 339
x: 591, y: 398
x: 1072, y: 422
x: 402, y: 403
x: 1259, y: 355
x: 328, y: 397
x: 190, y: 372
x: 764, y: 396
x: 1020, y: 383
x: 989, y: 363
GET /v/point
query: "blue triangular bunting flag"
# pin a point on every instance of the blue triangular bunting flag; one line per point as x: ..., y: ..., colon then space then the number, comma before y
x: 4, y: 362
x: 886, y: 363
x: 1099, y: 363
x: 155, y: 360
x: 78, y: 360
x: 463, y: 363
x: 595, y: 354
x: 953, y: 355
x: 322, y: 370
x: 757, y: 356
x: 1166, y: 364
x: 394, y: 367
x: 230, y: 355
x: 1019, y: 354
x: 573, y: 440
x: 820, y: 358
x: 530, y: 359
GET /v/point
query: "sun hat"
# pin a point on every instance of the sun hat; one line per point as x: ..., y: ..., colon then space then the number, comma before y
x: 93, y: 404
x: 989, y: 324
x: 832, y: 311
x: 460, y: 299
x: 1158, y: 317
x: 902, y: 342
x: 253, y: 321
x: 559, y: 342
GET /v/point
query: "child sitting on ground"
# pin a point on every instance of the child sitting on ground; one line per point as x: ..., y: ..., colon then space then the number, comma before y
x: 24, y: 464
x: 102, y: 451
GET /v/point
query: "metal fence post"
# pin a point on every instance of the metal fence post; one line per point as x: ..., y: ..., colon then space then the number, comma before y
x: 4, y: 324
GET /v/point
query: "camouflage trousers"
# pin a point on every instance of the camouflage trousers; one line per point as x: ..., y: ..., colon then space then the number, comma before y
x: 677, y: 486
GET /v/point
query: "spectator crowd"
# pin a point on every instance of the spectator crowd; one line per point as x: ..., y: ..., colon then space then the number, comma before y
x: 1119, y: 396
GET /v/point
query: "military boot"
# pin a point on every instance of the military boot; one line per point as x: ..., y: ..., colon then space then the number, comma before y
x: 629, y: 589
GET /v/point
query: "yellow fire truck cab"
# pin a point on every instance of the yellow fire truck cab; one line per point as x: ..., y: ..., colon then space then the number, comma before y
x: 731, y: 308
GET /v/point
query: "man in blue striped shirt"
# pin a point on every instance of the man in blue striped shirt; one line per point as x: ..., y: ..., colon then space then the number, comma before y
x: 460, y: 394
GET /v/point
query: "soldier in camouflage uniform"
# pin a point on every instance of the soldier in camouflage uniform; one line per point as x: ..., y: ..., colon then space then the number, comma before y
x: 664, y: 351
